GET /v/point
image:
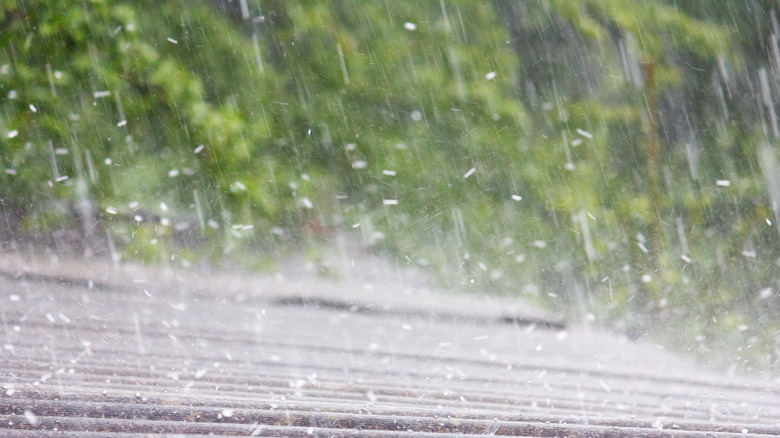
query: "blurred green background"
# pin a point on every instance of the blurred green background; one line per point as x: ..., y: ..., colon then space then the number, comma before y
x: 613, y: 159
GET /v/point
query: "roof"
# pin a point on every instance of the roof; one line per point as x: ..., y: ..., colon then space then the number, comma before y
x: 93, y: 349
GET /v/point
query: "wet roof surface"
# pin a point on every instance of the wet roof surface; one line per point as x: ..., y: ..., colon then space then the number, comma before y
x: 98, y: 350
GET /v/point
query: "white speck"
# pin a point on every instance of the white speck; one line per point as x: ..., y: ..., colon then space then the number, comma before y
x: 658, y: 424
x: 12, y: 94
x: 539, y: 347
x: 111, y: 210
x: 307, y: 203
x: 101, y: 94
x: 584, y: 133
x: 416, y: 115
x: 5, y: 69
x: 745, y: 430
x: 357, y: 225
x: 50, y: 318
x: 33, y: 108
x: 350, y: 147
x: 310, y: 431
x: 12, y: 134
x: 390, y: 201
x: 540, y: 244
x: 199, y: 149
x: 642, y: 247
x: 371, y: 396
x: 173, y: 173
x: 490, y: 76
x: 723, y: 183
x: 569, y: 166
x: 743, y: 328
x: 30, y: 417
x: 108, y: 161
x: 470, y: 172
x: 410, y: 26
x: 121, y: 123
x: 360, y: 164
x: 647, y: 278
x: 227, y: 413
x: 520, y: 258
x: 562, y: 335
x: 239, y: 185
x: 388, y: 172
x: 406, y: 327
x: 14, y: 298
x: 749, y: 254
x: 401, y: 146
x: 591, y: 216
x: 768, y: 222
x: 165, y: 221
x: 517, y: 198
x: 765, y: 293
x: 305, y: 177
x: 686, y: 259
x: 61, y: 151
x: 10, y: 171
x: 576, y: 142
x: 172, y: 41
x: 163, y: 206
x: 57, y: 74
x: 242, y: 227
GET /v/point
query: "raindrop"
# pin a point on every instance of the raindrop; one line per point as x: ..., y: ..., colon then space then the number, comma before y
x: 584, y: 133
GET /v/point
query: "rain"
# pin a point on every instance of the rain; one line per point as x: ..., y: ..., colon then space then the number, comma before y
x: 439, y: 191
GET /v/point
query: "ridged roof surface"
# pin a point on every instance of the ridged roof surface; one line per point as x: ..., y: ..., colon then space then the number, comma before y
x: 93, y: 349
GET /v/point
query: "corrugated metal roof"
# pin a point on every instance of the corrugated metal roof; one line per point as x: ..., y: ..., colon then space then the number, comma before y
x: 94, y: 350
